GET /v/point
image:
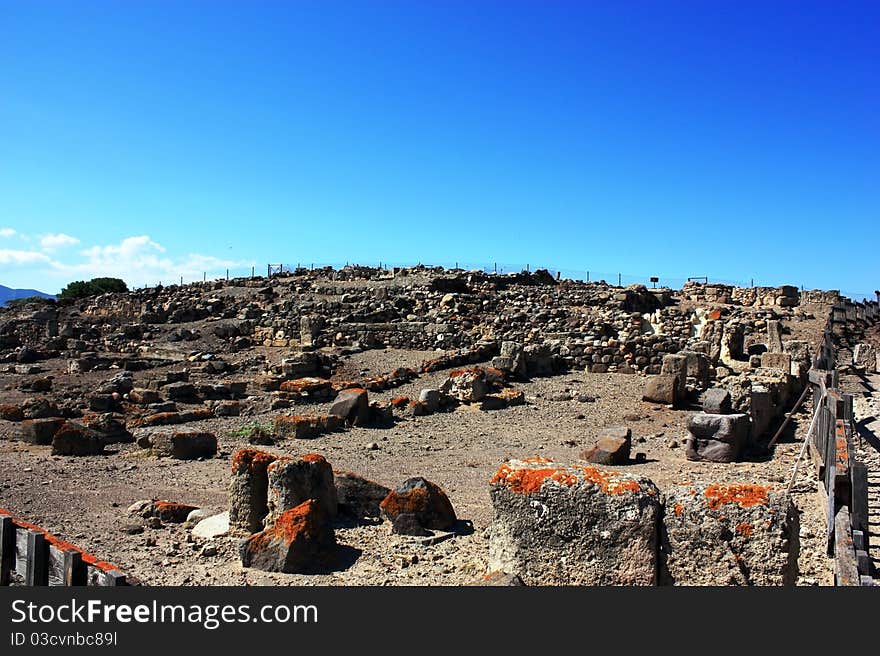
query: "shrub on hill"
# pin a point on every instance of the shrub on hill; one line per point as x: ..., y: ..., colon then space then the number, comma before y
x: 94, y: 287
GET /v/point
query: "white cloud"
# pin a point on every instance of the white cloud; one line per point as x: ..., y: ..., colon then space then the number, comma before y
x: 22, y: 258
x: 60, y: 240
x: 7, y: 232
x: 137, y: 260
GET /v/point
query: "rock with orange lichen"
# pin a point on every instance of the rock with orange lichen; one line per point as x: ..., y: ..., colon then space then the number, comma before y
x: 249, y: 489
x: 730, y: 534
x: 75, y: 440
x: 169, y: 511
x: 417, y: 505
x: 573, y: 524
x: 294, y: 480
x: 11, y: 413
x: 301, y: 540
x: 467, y: 385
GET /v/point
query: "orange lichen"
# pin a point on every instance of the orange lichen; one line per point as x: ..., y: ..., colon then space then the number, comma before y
x: 303, y: 519
x: 162, y: 419
x: 11, y: 413
x: 313, y: 458
x: 400, y: 401
x: 473, y: 371
x: 414, y: 501
x: 744, y: 529
x: 252, y: 459
x: 304, y: 385
x: 744, y: 495
x: 526, y: 480
x: 608, y: 482
x: 678, y: 509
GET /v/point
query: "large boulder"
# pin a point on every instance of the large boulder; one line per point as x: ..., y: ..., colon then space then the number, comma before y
x: 74, y: 440
x: 540, y: 360
x: 612, y: 448
x: 352, y: 406
x: 181, y: 391
x: 676, y: 364
x: 416, y: 505
x: 11, y: 413
x: 40, y: 431
x: 184, y: 445
x: 717, y: 438
x: 730, y: 534
x: 294, y: 480
x: 663, y: 388
x: 358, y: 497
x: 300, y: 540
x: 249, y: 489
x: 573, y: 525
x: 39, y: 408
x: 716, y: 401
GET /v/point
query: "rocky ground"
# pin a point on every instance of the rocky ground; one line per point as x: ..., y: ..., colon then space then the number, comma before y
x: 578, y: 352
x: 84, y: 499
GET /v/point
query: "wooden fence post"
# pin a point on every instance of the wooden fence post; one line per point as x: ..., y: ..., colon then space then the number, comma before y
x: 75, y: 570
x: 37, y: 559
x: 7, y: 548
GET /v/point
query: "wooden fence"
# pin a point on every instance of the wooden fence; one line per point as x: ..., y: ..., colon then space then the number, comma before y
x: 30, y: 555
x: 845, y: 478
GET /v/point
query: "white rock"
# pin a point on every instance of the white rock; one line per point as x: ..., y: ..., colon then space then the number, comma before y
x: 138, y: 506
x: 212, y: 527
x: 198, y: 515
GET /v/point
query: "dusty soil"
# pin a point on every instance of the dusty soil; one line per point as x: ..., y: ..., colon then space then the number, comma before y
x: 84, y: 499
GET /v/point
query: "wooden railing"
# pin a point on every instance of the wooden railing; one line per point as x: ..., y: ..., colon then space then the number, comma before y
x: 30, y: 555
x: 845, y: 478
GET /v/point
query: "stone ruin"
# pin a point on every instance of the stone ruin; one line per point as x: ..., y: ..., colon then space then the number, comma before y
x: 716, y: 350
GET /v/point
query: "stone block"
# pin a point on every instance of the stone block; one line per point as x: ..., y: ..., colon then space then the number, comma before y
x: 418, y: 503
x: 352, y: 406
x: 249, y: 489
x: 301, y: 540
x: 730, y: 534
x: 184, y: 445
x: 663, y: 388
x: 357, y: 496
x: 294, y: 480
x: 717, y: 438
x: 40, y: 431
x: 573, y: 525
x: 716, y: 401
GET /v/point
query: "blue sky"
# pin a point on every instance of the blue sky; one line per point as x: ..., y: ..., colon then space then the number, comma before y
x: 734, y: 140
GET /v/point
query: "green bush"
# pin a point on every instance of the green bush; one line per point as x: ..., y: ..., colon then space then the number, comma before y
x: 255, y: 433
x: 94, y: 287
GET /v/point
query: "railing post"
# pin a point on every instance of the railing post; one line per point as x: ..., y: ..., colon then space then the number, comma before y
x: 75, y: 570
x: 7, y: 548
x: 37, y: 559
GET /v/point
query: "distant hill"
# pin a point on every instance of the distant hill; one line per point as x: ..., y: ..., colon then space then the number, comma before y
x: 7, y: 294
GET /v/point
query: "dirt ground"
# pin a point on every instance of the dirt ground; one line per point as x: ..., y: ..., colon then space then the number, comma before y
x: 84, y: 500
